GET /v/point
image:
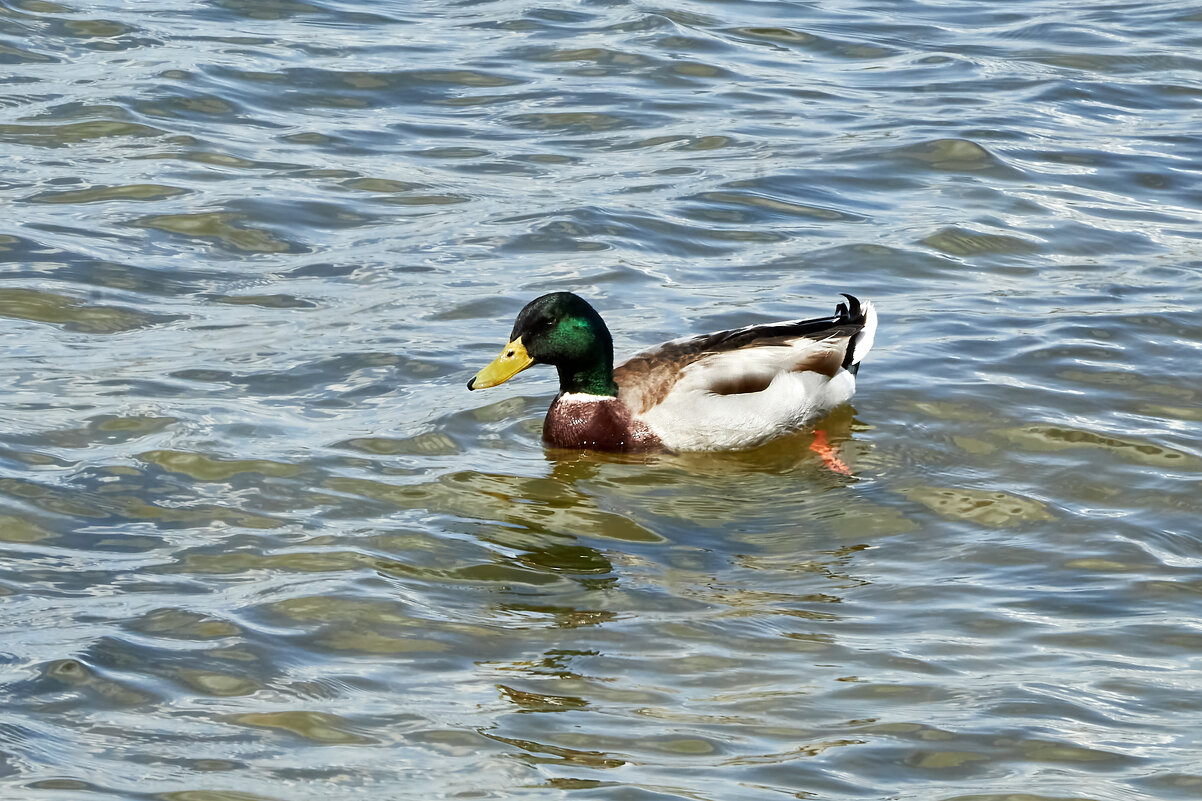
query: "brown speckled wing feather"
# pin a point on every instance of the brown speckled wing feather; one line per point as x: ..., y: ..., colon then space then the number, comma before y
x: 646, y: 379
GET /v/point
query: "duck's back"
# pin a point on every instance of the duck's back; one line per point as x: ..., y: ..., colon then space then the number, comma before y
x: 739, y: 388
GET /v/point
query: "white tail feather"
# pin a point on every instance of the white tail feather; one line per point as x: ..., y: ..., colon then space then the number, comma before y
x: 862, y: 343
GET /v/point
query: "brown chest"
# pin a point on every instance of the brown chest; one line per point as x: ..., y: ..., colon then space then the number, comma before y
x: 599, y: 425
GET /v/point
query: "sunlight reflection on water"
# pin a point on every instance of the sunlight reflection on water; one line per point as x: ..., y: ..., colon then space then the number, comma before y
x: 259, y: 542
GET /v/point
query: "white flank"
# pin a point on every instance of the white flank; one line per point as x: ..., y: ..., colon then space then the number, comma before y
x: 695, y: 418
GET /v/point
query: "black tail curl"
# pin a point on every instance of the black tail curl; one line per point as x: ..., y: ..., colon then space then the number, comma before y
x: 850, y: 314
x: 844, y: 314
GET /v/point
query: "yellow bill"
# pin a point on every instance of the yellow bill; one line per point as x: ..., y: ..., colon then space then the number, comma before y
x: 513, y: 360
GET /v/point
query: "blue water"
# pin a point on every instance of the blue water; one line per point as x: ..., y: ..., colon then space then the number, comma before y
x: 258, y: 542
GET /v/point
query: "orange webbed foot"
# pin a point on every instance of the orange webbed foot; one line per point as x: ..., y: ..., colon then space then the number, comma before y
x: 830, y: 457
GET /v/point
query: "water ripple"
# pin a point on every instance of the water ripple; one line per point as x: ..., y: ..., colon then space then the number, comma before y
x: 258, y: 542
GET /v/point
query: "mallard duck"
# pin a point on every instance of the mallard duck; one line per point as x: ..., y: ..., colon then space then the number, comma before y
x: 723, y: 391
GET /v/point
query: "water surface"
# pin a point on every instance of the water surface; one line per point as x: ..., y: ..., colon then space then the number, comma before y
x: 258, y: 543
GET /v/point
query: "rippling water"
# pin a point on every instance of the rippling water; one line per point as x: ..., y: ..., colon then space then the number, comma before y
x: 258, y: 541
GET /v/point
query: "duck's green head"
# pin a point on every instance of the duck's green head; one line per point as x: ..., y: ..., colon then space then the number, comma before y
x: 560, y: 329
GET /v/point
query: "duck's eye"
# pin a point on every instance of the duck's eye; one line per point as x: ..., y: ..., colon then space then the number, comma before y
x: 509, y: 354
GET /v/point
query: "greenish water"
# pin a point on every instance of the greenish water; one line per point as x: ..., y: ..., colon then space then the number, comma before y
x: 257, y: 542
